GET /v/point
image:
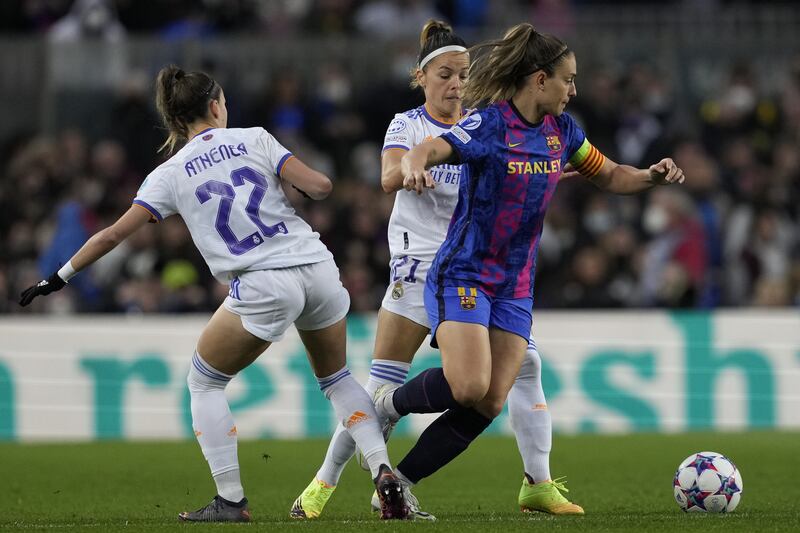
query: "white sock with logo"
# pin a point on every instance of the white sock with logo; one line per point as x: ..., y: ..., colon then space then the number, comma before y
x: 355, y: 411
x: 214, y: 426
x: 342, y: 446
x: 530, y: 418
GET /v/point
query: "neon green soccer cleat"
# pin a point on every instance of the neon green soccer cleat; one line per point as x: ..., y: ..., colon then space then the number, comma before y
x: 546, y: 497
x: 312, y: 501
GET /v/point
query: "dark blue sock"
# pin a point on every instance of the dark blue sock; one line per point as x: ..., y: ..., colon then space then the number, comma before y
x: 443, y: 441
x: 428, y: 392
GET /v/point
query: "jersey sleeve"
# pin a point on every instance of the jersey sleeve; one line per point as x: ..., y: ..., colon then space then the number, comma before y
x: 471, y: 138
x: 399, y: 134
x: 582, y: 155
x: 276, y: 154
x: 157, y: 196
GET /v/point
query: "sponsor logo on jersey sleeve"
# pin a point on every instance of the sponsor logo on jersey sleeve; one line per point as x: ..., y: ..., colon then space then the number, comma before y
x: 460, y: 134
x: 396, y: 126
x: 470, y: 122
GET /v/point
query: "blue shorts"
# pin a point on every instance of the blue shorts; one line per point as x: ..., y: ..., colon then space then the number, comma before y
x: 465, y: 303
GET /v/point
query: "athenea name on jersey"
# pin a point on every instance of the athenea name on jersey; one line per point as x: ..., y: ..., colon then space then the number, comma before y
x: 212, y: 157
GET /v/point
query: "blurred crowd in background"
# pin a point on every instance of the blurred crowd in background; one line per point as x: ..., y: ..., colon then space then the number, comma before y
x: 727, y: 238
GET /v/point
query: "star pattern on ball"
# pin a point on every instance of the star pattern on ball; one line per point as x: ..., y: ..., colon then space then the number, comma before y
x: 729, y: 487
x: 695, y: 498
x: 703, y: 462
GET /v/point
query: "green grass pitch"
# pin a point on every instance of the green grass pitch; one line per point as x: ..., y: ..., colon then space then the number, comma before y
x: 624, y: 483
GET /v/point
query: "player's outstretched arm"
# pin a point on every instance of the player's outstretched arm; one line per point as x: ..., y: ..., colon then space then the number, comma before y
x: 96, y: 247
x: 315, y: 185
x: 625, y: 179
x: 415, y: 164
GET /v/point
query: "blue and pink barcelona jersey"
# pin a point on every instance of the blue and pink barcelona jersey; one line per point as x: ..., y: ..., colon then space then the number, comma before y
x: 511, y: 169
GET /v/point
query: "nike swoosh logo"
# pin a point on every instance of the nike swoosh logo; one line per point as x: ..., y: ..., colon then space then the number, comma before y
x: 513, y: 145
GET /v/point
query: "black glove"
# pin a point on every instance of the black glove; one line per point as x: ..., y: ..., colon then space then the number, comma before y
x: 43, y: 288
x: 301, y: 191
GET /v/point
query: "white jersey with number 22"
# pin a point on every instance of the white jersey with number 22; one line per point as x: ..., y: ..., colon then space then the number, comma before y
x: 226, y: 185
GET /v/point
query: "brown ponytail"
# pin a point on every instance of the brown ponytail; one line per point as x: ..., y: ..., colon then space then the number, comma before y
x: 181, y: 98
x: 497, y: 74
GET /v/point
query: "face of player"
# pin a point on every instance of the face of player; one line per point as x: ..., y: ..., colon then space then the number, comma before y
x: 560, y: 87
x: 442, y: 80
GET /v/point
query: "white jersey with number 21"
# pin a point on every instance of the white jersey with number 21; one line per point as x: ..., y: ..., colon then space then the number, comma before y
x: 225, y: 183
x: 418, y: 224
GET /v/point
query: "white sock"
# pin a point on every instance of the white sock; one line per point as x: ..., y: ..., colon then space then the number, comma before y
x: 530, y: 418
x: 214, y: 427
x: 340, y: 450
x: 229, y: 486
x: 354, y: 409
x: 386, y: 371
x: 342, y: 446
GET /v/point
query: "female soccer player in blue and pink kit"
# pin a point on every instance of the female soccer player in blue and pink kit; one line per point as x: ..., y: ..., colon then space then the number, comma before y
x: 479, y: 290
x: 417, y: 228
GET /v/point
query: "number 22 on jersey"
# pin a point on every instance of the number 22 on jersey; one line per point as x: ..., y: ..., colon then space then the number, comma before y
x: 227, y: 193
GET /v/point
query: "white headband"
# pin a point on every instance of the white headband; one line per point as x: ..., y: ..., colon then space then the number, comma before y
x: 440, y: 51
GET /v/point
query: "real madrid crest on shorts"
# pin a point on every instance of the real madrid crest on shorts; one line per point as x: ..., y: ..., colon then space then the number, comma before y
x: 468, y: 303
x: 397, y: 291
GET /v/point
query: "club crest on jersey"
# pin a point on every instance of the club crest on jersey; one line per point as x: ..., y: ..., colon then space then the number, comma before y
x: 554, y: 143
x: 468, y: 301
x: 208, y: 137
x: 397, y: 290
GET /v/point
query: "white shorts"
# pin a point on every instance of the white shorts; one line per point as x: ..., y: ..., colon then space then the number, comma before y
x: 404, y: 296
x: 269, y: 301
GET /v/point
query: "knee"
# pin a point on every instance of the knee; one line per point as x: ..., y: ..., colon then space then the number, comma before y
x: 533, y: 358
x: 531, y: 366
x: 470, y: 392
x: 204, y: 378
x: 490, y: 407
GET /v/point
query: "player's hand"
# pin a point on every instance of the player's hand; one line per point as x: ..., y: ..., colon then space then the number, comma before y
x: 418, y: 181
x: 665, y: 172
x: 569, y: 172
x: 415, y: 177
x: 43, y: 288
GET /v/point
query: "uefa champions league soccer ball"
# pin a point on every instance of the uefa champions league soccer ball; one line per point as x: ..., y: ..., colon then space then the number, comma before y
x: 707, y: 482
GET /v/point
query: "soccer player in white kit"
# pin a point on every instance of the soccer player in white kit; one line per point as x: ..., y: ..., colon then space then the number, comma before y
x: 226, y: 185
x: 417, y: 228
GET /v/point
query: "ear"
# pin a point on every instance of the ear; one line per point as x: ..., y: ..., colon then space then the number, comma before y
x: 539, y: 78
x: 420, y: 78
x: 215, y: 108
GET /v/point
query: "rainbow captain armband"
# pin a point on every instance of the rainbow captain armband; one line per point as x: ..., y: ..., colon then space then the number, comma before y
x: 587, y: 160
